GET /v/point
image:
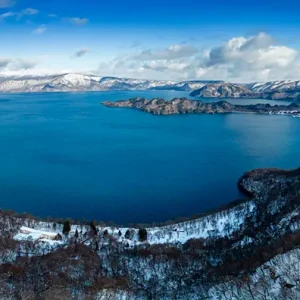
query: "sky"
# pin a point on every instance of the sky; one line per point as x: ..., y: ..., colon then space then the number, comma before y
x: 238, y: 41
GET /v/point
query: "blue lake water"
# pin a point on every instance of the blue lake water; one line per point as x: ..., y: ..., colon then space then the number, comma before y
x: 65, y: 155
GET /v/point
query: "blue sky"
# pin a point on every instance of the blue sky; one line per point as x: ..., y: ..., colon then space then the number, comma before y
x: 181, y: 38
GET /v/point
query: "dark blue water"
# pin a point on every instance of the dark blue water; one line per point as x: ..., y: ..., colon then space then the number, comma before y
x: 65, y: 155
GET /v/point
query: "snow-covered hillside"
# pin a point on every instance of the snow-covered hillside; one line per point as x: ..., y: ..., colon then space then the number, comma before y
x: 75, y: 82
x: 284, y: 85
x: 82, y: 82
x: 66, y: 82
x: 247, y: 250
x: 279, y: 279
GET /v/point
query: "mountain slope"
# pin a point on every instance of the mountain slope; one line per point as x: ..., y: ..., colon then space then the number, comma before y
x: 223, y: 90
x: 284, y: 85
x: 277, y: 90
x: 81, y: 82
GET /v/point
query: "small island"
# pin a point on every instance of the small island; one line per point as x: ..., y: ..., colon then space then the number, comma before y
x: 159, y: 106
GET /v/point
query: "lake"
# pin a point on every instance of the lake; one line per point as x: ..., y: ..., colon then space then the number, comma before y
x: 65, y: 155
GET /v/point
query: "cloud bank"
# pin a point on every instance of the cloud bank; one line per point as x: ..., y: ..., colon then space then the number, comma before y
x: 240, y: 59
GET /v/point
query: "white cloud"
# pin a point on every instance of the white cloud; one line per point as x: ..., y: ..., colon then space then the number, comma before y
x: 41, y: 29
x: 175, y: 66
x: 4, y: 62
x: 10, y: 64
x: 78, y: 21
x: 21, y: 64
x: 172, y: 52
x: 167, y: 63
x: 19, y: 15
x: 29, y: 12
x: 6, y: 3
x: 240, y: 59
x: 81, y: 52
x: 26, y: 12
x: 7, y: 15
x: 254, y: 52
x: 243, y: 58
x: 52, y: 16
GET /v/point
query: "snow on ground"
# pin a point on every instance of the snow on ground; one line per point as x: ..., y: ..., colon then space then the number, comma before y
x: 279, y: 279
x: 217, y: 225
x: 30, y: 234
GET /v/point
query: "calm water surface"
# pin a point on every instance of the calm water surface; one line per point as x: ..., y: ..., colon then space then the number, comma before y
x: 64, y: 155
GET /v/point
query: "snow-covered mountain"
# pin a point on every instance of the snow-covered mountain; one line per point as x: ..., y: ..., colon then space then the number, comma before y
x: 65, y: 82
x: 282, y: 86
x: 275, y: 90
x: 82, y: 82
x: 76, y: 82
x: 223, y: 90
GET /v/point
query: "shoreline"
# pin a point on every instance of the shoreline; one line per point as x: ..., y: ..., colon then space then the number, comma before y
x: 246, y: 197
x: 135, y: 225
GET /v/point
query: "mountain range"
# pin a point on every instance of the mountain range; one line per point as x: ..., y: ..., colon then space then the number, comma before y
x: 75, y: 82
x: 276, y: 90
x: 82, y: 82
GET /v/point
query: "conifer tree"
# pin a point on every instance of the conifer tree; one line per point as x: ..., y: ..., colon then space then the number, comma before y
x: 66, y: 228
x: 93, y: 227
x: 143, y: 235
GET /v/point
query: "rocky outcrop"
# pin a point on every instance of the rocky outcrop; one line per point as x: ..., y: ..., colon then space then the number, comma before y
x: 160, y: 106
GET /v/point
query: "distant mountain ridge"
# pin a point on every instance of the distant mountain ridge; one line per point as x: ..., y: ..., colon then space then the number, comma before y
x: 81, y: 82
x: 276, y: 90
x: 76, y: 82
x: 284, y: 85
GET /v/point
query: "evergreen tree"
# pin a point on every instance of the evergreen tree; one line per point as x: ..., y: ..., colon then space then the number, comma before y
x: 93, y: 227
x: 97, y: 247
x: 76, y: 234
x: 66, y: 228
x: 143, y: 235
x: 127, y: 234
